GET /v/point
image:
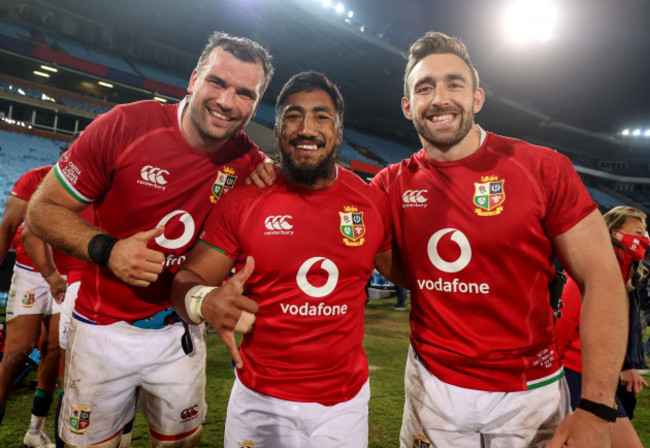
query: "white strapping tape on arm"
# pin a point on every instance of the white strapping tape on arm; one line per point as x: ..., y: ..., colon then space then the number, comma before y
x: 194, y: 300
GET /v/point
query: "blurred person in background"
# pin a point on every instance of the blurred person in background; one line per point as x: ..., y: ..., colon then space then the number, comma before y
x: 31, y: 310
x: 152, y: 172
x: 628, y: 232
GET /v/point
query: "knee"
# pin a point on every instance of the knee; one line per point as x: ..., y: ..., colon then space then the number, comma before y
x: 188, y: 440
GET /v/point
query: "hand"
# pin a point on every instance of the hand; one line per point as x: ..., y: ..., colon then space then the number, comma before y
x: 57, y: 286
x: 582, y: 429
x: 264, y: 175
x: 224, y: 306
x: 633, y: 381
x: 133, y: 262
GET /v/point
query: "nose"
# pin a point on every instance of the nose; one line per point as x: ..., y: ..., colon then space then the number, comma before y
x: 307, y: 127
x: 226, y: 99
x: 440, y: 96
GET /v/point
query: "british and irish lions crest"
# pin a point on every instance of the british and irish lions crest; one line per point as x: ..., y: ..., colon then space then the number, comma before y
x: 225, y: 181
x: 352, y: 226
x: 79, y: 420
x: 489, y: 196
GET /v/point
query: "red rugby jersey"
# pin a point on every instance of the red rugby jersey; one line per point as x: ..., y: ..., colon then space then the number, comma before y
x: 313, y: 252
x: 474, y: 236
x: 136, y: 168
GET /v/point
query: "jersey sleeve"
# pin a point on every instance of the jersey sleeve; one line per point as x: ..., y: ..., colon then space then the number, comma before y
x: 567, y: 200
x: 85, y: 170
x: 26, y: 185
x: 220, y: 228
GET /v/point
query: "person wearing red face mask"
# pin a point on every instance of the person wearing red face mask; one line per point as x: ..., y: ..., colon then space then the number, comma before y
x: 628, y: 231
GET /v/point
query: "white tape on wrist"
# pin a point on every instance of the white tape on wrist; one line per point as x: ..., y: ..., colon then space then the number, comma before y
x: 194, y: 300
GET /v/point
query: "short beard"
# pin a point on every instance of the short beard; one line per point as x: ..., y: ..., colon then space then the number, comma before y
x: 308, y: 176
x: 467, y: 121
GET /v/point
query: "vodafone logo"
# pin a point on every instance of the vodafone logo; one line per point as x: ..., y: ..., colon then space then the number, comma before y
x: 320, y: 291
x: 278, y: 222
x: 414, y: 196
x: 449, y: 266
x: 188, y: 230
x: 153, y: 174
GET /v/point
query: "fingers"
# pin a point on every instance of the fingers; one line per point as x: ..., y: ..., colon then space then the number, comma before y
x: 245, y: 322
x: 239, y: 279
x: 228, y: 338
x: 151, y: 234
x: 264, y: 175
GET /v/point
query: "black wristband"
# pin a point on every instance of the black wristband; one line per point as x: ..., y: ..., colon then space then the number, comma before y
x: 598, y: 409
x: 100, y: 247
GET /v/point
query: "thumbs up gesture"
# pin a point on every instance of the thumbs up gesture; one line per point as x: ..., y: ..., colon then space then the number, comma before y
x: 227, y: 310
x: 133, y: 262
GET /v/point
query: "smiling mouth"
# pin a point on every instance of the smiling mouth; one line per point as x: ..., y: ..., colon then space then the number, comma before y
x: 446, y: 118
x: 219, y: 115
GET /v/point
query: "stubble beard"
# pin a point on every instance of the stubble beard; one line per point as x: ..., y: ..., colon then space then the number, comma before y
x: 441, y: 140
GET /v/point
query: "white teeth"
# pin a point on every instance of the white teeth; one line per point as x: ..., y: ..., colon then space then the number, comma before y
x: 440, y: 118
x: 307, y: 147
x: 219, y: 116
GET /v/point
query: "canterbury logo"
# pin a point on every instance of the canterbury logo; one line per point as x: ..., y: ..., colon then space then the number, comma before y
x: 153, y: 174
x: 189, y: 412
x: 278, y: 222
x: 414, y: 196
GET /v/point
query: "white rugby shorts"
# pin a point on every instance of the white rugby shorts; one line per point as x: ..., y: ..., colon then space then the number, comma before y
x: 437, y: 414
x: 112, y: 370
x: 67, y: 307
x: 258, y: 420
x: 30, y: 294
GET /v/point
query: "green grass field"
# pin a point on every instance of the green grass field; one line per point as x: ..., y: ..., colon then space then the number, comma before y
x: 386, y: 342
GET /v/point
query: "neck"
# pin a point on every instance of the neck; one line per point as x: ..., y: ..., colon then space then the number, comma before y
x: 464, y: 148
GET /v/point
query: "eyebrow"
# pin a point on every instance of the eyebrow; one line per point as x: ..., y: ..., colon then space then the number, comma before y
x: 293, y: 107
x: 430, y: 80
x: 244, y: 90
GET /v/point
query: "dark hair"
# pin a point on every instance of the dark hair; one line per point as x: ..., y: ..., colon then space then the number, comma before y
x: 437, y: 43
x: 306, y: 82
x: 243, y: 49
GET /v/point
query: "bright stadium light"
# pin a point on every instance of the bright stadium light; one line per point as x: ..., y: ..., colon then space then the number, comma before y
x: 647, y: 133
x: 339, y: 8
x: 105, y: 84
x: 43, y: 74
x: 636, y: 132
x: 327, y: 2
x: 625, y: 132
x: 531, y: 20
x: 49, y: 69
x: 350, y: 14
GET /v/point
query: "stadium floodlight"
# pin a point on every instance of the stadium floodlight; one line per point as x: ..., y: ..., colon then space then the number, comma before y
x: 625, y: 132
x: 49, y: 69
x: 636, y: 132
x: 43, y: 74
x: 159, y: 99
x: 327, y: 2
x: 339, y: 8
x: 105, y: 84
x: 531, y: 20
x: 647, y: 133
x: 350, y: 14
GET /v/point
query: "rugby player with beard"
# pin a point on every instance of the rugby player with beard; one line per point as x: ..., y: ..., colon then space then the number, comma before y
x: 303, y: 250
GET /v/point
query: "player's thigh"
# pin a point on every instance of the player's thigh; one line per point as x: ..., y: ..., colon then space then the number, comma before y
x: 101, y: 378
x: 344, y: 424
x: 29, y: 294
x: 21, y: 333
x: 172, y: 395
x: 523, y: 419
x: 435, y: 414
x: 260, y: 420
